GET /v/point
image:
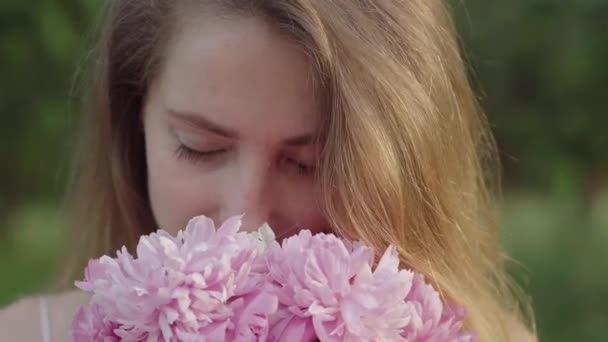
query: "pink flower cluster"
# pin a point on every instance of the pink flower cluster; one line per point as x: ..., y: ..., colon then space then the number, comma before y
x: 208, y: 284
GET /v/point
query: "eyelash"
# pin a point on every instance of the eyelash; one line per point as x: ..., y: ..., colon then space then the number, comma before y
x: 195, y: 156
x: 300, y: 168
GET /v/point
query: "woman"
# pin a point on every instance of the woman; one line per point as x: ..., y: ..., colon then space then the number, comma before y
x: 354, y: 117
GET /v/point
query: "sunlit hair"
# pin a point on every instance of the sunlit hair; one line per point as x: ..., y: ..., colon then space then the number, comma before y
x: 408, y: 158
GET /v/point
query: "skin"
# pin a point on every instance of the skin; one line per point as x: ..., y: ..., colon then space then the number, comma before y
x: 229, y: 125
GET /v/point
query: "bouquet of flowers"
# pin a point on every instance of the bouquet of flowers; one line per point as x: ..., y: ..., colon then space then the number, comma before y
x: 208, y: 284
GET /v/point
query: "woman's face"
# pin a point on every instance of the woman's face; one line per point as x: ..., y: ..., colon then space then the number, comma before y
x: 229, y: 124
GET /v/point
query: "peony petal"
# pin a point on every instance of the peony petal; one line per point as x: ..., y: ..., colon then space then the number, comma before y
x: 292, y: 328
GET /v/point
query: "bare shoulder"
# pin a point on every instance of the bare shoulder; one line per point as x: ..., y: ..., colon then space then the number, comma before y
x: 22, y: 320
x: 16, y: 321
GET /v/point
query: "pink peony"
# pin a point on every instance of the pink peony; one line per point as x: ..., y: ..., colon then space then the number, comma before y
x: 208, y: 284
x: 327, y: 290
x: 90, y: 324
x: 204, y: 282
x: 432, y: 320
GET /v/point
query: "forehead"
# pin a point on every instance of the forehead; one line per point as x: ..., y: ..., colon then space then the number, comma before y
x: 242, y: 73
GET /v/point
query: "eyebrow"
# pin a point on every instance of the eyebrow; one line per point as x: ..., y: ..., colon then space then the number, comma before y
x: 201, y: 122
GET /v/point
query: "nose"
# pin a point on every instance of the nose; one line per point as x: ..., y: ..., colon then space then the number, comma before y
x: 251, y: 195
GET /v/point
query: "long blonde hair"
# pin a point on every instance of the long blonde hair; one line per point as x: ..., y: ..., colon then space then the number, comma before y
x: 408, y: 158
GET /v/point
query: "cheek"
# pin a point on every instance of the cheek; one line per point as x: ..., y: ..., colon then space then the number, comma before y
x: 176, y: 192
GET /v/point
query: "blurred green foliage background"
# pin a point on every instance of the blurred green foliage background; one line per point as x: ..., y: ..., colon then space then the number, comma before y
x: 541, y: 71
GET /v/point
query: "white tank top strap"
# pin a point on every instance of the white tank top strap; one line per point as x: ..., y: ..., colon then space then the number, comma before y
x: 45, y: 327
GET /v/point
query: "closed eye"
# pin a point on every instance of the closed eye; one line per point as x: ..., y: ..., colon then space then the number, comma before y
x: 195, y: 156
x: 301, y: 168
